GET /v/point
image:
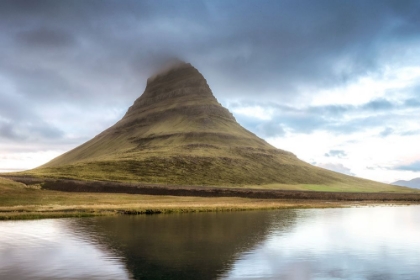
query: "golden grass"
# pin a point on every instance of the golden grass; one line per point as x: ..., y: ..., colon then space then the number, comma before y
x: 18, y: 201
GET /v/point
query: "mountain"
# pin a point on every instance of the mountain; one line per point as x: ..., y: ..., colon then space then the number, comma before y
x: 176, y: 132
x: 414, y: 183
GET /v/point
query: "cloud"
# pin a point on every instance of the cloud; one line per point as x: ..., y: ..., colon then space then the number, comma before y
x: 378, y: 105
x: 386, y: 132
x: 29, y: 131
x: 6, y: 131
x: 337, y: 167
x: 336, y: 153
x: 20, y: 121
x: 270, y: 129
x: 412, y: 103
x: 337, y: 119
x: 67, y: 60
x: 45, y: 37
x: 414, y: 166
x: 274, y: 47
x: 411, y: 132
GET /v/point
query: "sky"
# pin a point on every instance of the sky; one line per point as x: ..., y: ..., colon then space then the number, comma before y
x: 335, y: 82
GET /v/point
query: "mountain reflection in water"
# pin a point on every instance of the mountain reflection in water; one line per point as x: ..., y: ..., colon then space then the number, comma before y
x: 183, y: 246
x: 349, y: 243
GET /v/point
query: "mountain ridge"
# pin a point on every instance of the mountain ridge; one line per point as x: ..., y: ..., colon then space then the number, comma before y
x: 413, y: 183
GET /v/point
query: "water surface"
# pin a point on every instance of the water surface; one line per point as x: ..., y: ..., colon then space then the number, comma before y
x: 352, y: 243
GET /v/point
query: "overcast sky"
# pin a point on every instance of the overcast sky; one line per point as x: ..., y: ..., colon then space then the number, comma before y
x: 335, y: 82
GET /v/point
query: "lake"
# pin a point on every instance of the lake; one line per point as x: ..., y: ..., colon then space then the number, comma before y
x: 350, y: 243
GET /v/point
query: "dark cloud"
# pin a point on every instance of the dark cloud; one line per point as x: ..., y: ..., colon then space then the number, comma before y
x: 336, y: 153
x: 414, y: 166
x: 45, y: 37
x: 274, y: 46
x: 43, y: 85
x: 97, y: 55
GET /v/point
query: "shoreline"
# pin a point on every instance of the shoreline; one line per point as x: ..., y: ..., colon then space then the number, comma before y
x: 32, y: 212
x: 34, y: 198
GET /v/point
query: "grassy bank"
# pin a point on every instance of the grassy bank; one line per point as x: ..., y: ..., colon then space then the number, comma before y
x: 20, y: 201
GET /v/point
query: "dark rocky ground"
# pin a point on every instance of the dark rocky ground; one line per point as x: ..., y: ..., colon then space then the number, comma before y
x: 68, y: 185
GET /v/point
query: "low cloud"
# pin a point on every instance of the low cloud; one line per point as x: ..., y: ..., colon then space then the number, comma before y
x: 336, y: 153
x: 414, y: 166
x: 337, y: 167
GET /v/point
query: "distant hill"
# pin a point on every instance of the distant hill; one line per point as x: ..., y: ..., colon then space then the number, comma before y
x: 176, y: 132
x: 414, y: 183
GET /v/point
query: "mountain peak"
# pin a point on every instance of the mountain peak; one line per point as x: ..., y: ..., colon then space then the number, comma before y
x: 177, y: 132
x: 178, y: 86
x: 170, y: 68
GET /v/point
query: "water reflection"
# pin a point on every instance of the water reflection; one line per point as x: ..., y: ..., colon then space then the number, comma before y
x: 184, y: 246
x: 357, y: 243
x: 46, y: 249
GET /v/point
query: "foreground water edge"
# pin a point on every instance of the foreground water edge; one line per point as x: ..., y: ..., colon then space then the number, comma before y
x: 183, y: 205
x: 337, y: 243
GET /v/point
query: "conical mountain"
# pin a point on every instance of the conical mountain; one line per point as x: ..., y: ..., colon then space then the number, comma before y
x: 176, y: 132
x: 176, y: 114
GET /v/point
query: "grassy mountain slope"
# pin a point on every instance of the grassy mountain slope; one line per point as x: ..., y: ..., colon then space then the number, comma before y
x: 176, y: 132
